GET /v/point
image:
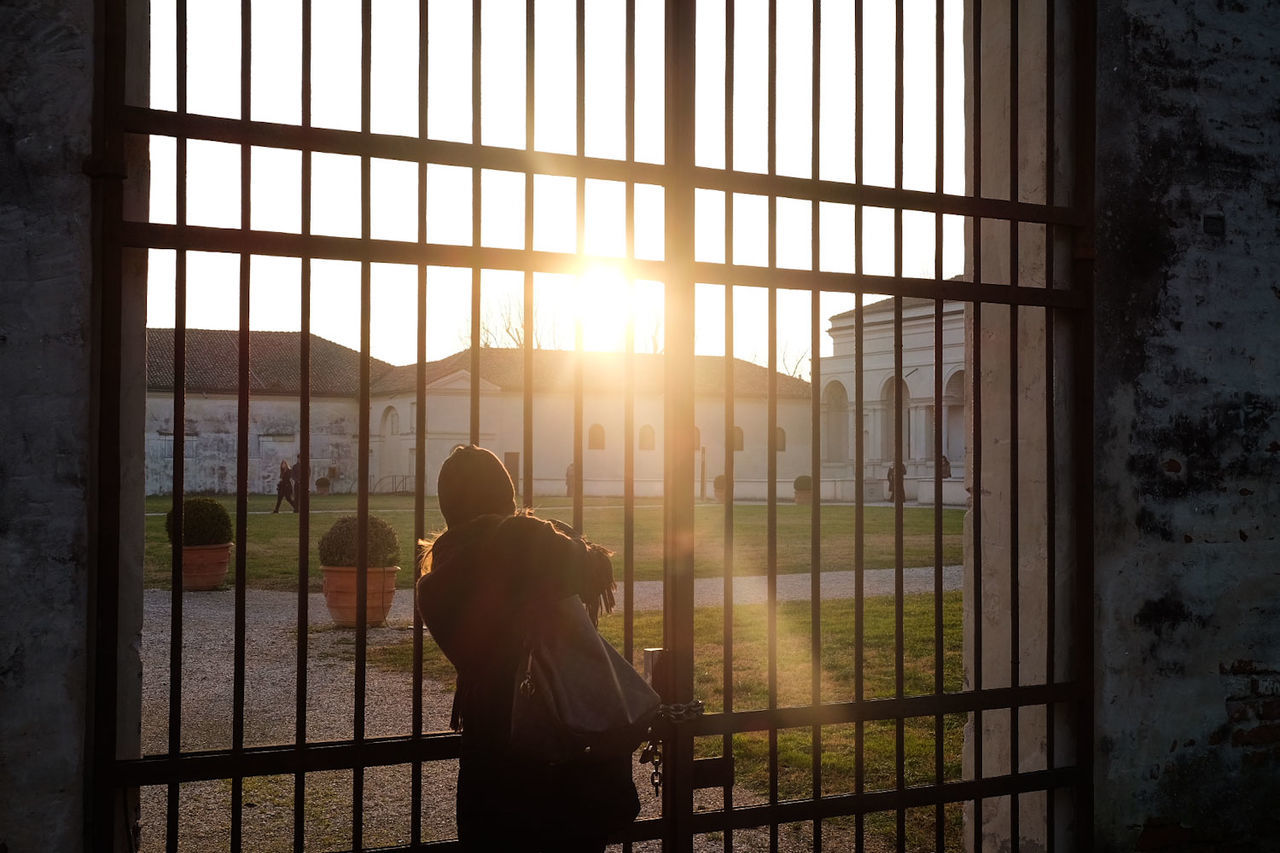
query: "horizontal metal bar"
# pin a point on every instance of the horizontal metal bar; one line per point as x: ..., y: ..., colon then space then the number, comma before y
x: 845, y: 193
x: 284, y: 759
x: 149, y: 235
x: 387, y: 146
x: 881, y: 709
x: 840, y: 805
x: 236, y: 131
x: 648, y: 829
x: 928, y: 288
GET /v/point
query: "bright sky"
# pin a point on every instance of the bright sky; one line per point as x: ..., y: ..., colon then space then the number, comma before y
x: 601, y: 298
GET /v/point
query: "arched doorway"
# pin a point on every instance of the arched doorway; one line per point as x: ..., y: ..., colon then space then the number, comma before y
x: 895, y: 396
x: 835, y: 400
x: 953, y: 430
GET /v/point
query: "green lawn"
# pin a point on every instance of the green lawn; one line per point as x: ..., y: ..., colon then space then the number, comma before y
x: 272, y: 540
x: 837, y: 683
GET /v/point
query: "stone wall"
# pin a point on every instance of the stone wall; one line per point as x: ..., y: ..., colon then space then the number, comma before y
x: 46, y: 61
x: 1188, y: 426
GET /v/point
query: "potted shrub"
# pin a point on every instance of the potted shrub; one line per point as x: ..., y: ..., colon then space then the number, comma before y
x: 322, y: 485
x: 338, y: 562
x: 804, y: 489
x: 719, y: 484
x: 206, y: 542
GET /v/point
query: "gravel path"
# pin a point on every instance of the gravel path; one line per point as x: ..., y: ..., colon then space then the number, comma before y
x: 270, y: 702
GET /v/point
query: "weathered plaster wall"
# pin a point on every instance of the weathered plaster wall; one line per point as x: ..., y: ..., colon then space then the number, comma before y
x: 211, y: 439
x: 1188, y: 426
x: 46, y: 63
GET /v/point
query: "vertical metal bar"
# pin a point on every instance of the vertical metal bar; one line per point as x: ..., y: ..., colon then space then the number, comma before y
x: 1015, y: 832
x: 527, y: 323
x: 975, y: 395
x: 1050, y: 425
x: 580, y: 64
x: 104, y: 495
x: 476, y: 47
x: 1082, y: 437
x: 362, y: 495
x: 939, y: 176
x: 726, y: 743
x: 242, y: 445
x: 815, y: 422
x: 179, y: 437
x: 901, y: 399
x: 859, y: 517
x: 304, y: 429
x: 420, y: 432
x: 771, y: 429
x: 629, y: 382
x: 678, y: 413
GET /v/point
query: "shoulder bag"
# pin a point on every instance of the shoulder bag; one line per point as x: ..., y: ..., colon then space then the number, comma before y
x: 575, y: 697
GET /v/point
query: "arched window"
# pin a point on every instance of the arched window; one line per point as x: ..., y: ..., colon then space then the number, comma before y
x: 595, y: 437
x: 779, y: 439
x: 737, y: 438
x: 390, y: 421
x: 836, y: 401
x: 646, y: 438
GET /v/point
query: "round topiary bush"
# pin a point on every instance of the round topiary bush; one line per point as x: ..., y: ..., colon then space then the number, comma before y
x: 338, y: 544
x: 204, y: 522
x: 803, y: 483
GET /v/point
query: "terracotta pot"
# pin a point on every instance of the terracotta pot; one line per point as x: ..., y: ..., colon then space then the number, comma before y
x: 804, y: 496
x: 205, y: 566
x: 340, y: 594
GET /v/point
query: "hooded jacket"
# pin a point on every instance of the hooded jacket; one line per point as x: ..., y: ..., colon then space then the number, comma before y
x: 486, y: 579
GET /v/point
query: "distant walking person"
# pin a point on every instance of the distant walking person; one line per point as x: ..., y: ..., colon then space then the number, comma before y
x: 284, y: 487
x: 897, y: 473
x: 300, y: 482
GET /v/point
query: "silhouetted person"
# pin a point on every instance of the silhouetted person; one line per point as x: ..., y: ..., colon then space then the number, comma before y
x: 569, y: 476
x: 284, y: 487
x: 490, y: 572
x: 944, y: 467
x: 300, y: 482
x: 897, y: 472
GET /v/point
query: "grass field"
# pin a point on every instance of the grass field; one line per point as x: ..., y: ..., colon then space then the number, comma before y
x: 272, y: 540
x: 836, y: 683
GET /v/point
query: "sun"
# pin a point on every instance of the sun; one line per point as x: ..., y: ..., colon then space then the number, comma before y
x: 605, y: 308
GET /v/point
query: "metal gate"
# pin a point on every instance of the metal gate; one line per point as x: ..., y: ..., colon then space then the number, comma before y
x: 956, y: 717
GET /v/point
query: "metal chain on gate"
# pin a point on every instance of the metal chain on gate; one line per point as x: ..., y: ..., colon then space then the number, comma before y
x: 677, y: 712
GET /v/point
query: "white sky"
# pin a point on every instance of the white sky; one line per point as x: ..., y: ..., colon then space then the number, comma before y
x: 601, y: 298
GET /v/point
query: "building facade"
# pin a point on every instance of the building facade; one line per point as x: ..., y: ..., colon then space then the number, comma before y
x: 210, y: 440
x: 914, y: 389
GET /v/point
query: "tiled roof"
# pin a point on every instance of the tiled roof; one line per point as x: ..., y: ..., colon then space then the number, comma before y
x: 212, y: 363
x: 882, y: 306
x: 553, y: 371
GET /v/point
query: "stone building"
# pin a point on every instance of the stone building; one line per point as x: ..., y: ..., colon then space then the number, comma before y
x: 882, y: 385
x: 274, y: 415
